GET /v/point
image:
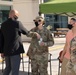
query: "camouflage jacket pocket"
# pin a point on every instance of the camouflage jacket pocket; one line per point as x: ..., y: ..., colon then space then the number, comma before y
x: 31, y: 52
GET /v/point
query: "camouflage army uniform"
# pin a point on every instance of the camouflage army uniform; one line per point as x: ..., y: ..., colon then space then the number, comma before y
x: 71, y: 65
x: 39, y: 54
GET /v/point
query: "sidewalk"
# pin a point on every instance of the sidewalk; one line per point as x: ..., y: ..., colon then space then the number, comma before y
x: 54, y: 50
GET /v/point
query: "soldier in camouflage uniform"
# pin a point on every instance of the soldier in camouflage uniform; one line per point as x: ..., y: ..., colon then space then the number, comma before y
x: 71, y: 65
x: 38, y: 49
x: 67, y: 57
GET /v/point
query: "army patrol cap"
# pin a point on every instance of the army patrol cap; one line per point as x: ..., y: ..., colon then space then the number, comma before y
x: 39, y: 18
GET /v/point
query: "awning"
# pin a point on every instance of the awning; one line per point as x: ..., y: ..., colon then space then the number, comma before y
x: 67, y: 7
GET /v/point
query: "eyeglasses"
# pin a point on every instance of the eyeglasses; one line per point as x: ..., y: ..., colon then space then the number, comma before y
x: 39, y: 20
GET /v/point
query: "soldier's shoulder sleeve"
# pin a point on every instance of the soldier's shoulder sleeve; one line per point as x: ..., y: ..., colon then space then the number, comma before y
x: 32, y: 33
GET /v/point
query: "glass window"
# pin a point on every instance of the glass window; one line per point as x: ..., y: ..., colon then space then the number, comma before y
x: 56, y: 21
x: 5, y: 15
x: 0, y: 17
x: 4, y: 11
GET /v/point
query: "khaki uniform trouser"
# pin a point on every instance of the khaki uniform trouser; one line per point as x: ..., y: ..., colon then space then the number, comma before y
x: 63, y: 67
x: 39, y: 64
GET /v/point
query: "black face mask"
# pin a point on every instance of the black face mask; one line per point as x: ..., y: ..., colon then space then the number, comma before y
x: 70, y: 26
x: 36, y: 24
x: 15, y: 18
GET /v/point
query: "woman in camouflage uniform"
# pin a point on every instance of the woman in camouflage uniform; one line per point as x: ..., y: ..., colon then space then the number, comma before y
x: 38, y: 49
x: 67, y: 54
x: 71, y: 65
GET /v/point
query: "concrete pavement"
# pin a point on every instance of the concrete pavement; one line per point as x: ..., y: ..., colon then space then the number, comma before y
x: 54, y: 50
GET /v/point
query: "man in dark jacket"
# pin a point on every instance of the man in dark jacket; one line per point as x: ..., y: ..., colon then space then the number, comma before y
x: 13, y: 47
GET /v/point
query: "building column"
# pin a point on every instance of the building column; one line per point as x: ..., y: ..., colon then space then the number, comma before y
x: 28, y: 10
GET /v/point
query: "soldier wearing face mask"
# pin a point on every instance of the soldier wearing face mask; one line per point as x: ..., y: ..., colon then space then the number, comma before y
x: 38, y: 49
x: 36, y: 21
x: 13, y: 46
